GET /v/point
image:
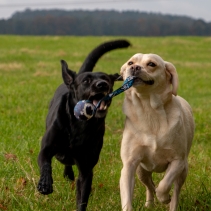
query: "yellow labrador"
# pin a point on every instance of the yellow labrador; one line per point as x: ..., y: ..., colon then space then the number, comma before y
x: 158, y: 133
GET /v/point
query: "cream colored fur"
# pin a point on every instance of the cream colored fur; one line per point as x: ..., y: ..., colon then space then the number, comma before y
x: 158, y: 133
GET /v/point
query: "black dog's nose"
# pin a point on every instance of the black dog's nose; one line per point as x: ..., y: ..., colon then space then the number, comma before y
x: 102, y: 84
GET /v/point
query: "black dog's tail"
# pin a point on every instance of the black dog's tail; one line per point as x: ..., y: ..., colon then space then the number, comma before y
x: 95, y: 54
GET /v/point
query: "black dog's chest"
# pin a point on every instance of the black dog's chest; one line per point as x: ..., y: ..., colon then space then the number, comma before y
x: 80, y: 142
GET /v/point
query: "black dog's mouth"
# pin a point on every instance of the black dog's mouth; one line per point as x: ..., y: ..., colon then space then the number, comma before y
x: 95, y: 99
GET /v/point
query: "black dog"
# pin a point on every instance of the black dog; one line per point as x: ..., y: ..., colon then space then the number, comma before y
x: 70, y: 140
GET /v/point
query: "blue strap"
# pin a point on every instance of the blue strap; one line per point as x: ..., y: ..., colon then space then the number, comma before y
x: 126, y: 85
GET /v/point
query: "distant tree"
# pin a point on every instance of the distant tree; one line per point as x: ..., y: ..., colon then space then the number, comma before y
x: 100, y: 22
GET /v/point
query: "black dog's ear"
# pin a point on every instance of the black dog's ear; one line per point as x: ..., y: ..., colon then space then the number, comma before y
x: 67, y: 75
x: 116, y: 77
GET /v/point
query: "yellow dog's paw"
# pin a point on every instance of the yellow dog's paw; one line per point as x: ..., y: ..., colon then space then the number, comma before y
x: 164, y: 198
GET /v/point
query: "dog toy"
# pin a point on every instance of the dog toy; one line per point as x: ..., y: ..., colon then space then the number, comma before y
x: 84, y: 109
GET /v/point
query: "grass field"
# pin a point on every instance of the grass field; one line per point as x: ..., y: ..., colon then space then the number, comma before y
x: 29, y: 74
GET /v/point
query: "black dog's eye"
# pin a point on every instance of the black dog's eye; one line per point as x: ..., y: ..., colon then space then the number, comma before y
x: 130, y: 63
x: 87, y: 81
x: 151, y: 64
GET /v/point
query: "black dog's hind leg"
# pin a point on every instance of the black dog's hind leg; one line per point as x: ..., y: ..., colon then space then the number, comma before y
x: 48, y: 150
x: 68, y: 173
x: 84, y: 184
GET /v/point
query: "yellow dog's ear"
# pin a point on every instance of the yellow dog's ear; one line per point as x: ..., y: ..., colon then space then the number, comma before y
x: 174, y: 77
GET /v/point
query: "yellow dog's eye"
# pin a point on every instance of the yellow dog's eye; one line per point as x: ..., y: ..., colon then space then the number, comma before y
x: 130, y: 63
x: 151, y: 64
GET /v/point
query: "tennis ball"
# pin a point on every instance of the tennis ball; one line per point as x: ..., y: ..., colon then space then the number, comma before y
x: 84, y: 110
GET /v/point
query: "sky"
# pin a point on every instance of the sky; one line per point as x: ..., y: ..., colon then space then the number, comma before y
x: 197, y: 9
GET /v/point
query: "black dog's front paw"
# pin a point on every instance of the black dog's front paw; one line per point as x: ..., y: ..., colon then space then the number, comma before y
x: 45, y: 184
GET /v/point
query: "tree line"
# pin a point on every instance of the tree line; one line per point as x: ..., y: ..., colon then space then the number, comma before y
x: 102, y: 22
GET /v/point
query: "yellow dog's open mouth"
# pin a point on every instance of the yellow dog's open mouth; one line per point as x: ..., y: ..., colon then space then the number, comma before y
x: 140, y: 80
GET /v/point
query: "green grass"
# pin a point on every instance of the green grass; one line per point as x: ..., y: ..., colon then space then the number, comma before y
x: 29, y: 74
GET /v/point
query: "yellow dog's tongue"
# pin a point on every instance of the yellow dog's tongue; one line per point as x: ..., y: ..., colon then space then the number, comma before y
x: 102, y: 105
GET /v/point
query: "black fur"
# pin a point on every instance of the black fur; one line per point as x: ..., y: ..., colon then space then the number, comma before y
x: 70, y: 140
